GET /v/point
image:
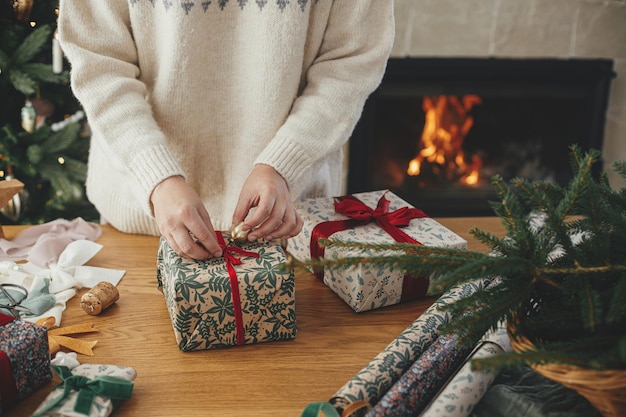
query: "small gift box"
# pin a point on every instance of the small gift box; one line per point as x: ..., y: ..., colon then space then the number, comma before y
x: 376, y: 217
x: 239, y: 298
x: 24, y: 359
x: 88, y: 390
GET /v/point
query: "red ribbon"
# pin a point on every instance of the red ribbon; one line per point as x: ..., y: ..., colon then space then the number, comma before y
x: 8, y: 387
x: 359, y: 214
x: 230, y: 259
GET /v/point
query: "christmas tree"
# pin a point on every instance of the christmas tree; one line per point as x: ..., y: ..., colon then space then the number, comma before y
x: 44, y: 138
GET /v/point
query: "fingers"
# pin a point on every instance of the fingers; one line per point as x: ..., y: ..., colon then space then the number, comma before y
x: 191, y: 237
x: 183, y: 220
x: 274, y: 215
x: 276, y: 221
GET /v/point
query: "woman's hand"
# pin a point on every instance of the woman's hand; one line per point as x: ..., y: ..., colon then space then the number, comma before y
x: 181, y: 217
x: 275, y: 215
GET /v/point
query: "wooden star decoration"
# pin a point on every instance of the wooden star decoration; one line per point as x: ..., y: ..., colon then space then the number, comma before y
x: 8, y: 188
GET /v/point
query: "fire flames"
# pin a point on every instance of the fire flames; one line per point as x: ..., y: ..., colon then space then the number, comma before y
x: 447, y: 122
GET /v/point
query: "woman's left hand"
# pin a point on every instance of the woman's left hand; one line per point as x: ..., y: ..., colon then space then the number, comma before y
x: 275, y: 215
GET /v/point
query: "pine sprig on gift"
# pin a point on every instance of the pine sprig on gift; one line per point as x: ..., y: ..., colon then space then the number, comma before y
x: 559, y: 272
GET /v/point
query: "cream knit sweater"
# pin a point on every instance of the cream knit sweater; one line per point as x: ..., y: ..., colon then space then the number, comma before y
x: 206, y: 89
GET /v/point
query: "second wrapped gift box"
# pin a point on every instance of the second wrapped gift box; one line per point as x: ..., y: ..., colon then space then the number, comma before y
x: 375, y: 217
x: 240, y: 298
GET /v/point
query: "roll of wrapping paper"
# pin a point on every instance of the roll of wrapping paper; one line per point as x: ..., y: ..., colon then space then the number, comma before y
x: 373, y: 381
x: 417, y: 386
x: 466, y: 388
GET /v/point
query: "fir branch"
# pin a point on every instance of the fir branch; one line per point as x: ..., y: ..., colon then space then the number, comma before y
x: 4, y: 59
x: 32, y: 45
x: 62, y: 139
x: 43, y: 72
x: 534, y: 357
x: 498, y: 246
x: 406, y: 247
x: 617, y: 309
x: 488, y: 308
x: 620, y: 168
x: 22, y: 82
x: 579, y: 270
x: 590, y: 305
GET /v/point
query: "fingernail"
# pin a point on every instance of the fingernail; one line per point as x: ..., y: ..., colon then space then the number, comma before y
x: 218, y: 254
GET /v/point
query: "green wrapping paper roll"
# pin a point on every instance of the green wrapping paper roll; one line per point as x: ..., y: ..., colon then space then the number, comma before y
x: 375, y: 379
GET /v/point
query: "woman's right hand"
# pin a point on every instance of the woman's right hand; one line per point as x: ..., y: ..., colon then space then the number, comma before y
x: 181, y: 217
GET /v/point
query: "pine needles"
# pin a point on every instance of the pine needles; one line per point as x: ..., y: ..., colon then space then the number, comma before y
x: 560, y: 268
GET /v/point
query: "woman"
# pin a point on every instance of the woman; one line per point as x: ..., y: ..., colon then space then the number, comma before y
x: 208, y: 113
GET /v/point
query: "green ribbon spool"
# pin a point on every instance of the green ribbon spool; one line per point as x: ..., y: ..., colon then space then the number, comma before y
x: 110, y: 387
x: 314, y: 409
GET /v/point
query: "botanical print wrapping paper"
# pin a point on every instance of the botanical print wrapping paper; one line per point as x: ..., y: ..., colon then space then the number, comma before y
x: 366, y: 287
x: 375, y: 379
x: 417, y: 386
x: 467, y: 387
x: 100, y: 407
x: 199, y: 297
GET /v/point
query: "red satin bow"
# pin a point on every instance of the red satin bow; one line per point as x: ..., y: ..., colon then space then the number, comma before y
x: 230, y: 259
x: 358, y: 214
x: 354, y: 208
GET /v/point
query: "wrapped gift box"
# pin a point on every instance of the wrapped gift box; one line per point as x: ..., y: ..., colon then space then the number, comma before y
x: 218, y: 302
x: 70, y: 398
x: 24, y: 359
x: 367, y: 287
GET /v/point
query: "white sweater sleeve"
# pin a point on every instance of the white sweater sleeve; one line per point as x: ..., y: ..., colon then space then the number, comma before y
x: 96, y: 37
x: 350, y: 65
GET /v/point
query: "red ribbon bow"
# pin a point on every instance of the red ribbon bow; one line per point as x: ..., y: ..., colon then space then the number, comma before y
x: 358, y: 214
x: 231, y: 260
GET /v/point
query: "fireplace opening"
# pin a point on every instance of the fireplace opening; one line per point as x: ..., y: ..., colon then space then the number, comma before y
x: 437, y: 130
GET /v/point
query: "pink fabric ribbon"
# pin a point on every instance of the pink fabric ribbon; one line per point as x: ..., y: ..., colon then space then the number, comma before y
x: 358, y: 213
x: 231, y: 260
x: 42, y: 244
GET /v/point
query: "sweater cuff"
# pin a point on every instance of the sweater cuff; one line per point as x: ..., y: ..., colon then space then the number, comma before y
x: 288, y: 159
x: 150, y: 167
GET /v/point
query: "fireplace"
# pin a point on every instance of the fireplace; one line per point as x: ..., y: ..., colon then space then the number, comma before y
x: 437, y: 129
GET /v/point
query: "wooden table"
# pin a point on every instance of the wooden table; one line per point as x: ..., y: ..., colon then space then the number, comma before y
x: 266, y: 379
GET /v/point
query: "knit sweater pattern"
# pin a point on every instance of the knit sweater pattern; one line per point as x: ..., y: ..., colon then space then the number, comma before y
x: 207, y: 89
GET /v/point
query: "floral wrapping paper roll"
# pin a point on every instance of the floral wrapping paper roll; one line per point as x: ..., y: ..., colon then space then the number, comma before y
x: 375, y: 379
x: 417, y: 386
x: 467, y: 387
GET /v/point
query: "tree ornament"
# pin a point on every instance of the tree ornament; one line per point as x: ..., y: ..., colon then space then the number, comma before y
x: 29, y: 116
x: 57, y: 54
x: 14, y: 206
x: 43, y: 109
x: 9, y: 188
x: 22, y: 9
